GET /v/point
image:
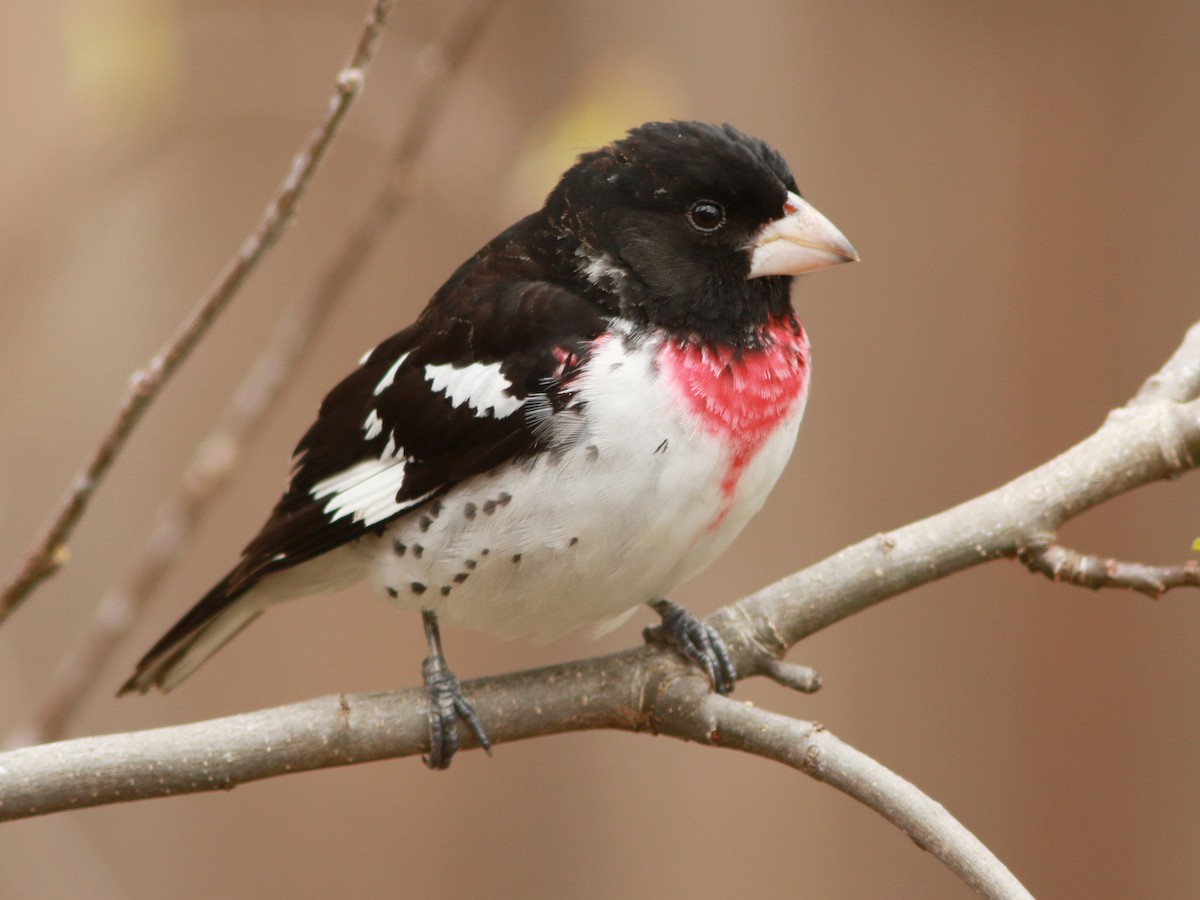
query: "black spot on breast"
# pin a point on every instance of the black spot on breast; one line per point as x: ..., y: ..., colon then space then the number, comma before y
x: 516, y: 557
x: 484, y: 552
x: 460, y: 577
x: 417, y: 587
x: 489, y: 507
x: 593, y: 452
x: 445, y: 590
x: 399, y: 547
x: 504, y: 498
x: 469, y: 510
x: 426, y: 521
x: 470, y: 564
x: 418, y: 550
x: 574, y: 541
x: 436, y: 509
x: 392, y: 592
x: 662, y: 448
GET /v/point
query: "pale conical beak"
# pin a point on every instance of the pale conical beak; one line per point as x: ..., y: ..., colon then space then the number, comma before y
x: 801, y: 240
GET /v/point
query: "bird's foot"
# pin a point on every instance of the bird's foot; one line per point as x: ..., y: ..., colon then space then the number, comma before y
x: 695, y: 641
x: 446, y: 706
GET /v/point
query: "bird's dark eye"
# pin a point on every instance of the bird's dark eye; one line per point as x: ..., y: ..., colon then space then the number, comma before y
x: 706, y: 215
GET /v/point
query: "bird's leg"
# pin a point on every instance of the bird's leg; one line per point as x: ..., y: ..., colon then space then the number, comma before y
x: 694, y: 641
x: 446, y: 702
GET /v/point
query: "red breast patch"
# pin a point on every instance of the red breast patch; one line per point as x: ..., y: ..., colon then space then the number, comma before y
x: 741, y: 395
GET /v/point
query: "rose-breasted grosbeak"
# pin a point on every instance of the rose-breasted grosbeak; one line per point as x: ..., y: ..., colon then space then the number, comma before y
x: 584, y: 415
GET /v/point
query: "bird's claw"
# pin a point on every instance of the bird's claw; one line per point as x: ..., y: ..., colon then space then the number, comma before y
x: 695, y: 641
x: 446, y: 706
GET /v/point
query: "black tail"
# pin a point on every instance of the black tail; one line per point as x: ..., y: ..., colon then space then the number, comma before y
x: 217, y: 617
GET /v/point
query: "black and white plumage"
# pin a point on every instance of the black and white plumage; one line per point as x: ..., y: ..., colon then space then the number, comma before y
x: 583, y: 416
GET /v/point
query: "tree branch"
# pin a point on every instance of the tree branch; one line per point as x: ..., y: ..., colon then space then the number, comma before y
x: 1148, y: 440
x: 217, y: 455
x: 1179, y: 378
x: 1059, y: 563
x: 50, y: 551
x: 1156, y: 436
x: 641, y: 690
x: 721, y: 722
x: 220, y: 754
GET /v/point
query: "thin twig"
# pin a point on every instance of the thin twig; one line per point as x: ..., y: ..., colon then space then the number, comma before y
x: 50, y: 551
x: 1060, y: 563
x: 816, y: 752
x: 217, y: 456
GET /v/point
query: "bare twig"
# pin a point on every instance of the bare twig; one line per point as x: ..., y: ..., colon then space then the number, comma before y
x: 634, y: 691
x: 330, y: 731
x: 799, y: 678
x: 1060, y: 563
x: 49, y: 553
x: 710, y: 718
x: 218, y: 453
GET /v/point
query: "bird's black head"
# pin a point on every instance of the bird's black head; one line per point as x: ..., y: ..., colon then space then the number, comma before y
x: 678, y: 225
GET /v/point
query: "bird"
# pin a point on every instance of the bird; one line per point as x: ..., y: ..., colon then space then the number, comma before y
x: 583, y: 416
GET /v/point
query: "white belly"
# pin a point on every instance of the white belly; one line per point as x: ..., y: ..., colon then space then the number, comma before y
x: 637, y: 501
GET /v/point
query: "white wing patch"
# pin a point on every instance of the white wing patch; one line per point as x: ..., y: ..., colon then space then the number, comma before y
x: 367, y: 490
x: 390, y: 375
x: 373, y: 426
x: 481, y: 386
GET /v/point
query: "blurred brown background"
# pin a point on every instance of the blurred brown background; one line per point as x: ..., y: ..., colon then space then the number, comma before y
x: 1021, y: 180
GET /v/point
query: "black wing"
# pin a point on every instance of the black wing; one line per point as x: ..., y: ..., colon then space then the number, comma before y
x: 446, y: 398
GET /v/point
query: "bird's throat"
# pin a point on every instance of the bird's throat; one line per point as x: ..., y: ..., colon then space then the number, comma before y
x: 741, y: 396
